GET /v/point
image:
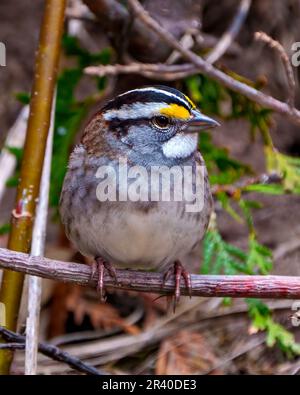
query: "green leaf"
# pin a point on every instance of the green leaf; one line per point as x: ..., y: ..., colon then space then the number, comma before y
x: 218, y: 255
x: 23, y: 97
x: 17, y: 152
x: 13, y: 181
x: 259, y: 258
x: 221, y: 167
x: 272, y: 189
x: 262, y: 320
x: 72, y: 47
x: 246, y: 208
x: 221, y: 257
x: 205, y: 92
x: 4, y: 229
x: 286, y: 166
x: 226, y: 205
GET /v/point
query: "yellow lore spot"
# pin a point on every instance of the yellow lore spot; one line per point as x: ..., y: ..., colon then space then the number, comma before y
x: 175, y: 111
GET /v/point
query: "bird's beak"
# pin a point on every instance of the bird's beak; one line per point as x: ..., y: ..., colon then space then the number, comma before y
x: 199, y: 121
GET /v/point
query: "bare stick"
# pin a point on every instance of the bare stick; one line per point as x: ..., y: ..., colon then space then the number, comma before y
x: 285, y: 60
x: 17, y: 341
x: 37, y: 249
x: 207, y: 69
x: 281, y: 287
x: 12, y: 346
x: 156, y: 71
x: 230, y: 35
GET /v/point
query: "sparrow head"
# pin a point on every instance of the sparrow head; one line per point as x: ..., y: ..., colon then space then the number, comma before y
x: 155, y: 121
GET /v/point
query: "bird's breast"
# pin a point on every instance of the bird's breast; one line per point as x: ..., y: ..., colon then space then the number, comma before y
x: 161, y: 217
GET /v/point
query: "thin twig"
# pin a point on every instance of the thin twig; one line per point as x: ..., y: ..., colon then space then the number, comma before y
x: 158, y: 71
x: 207, y: 69
x: 50, y: 351
x: 79, y: 11
x: 230, y: 35
x: 12, y: 346
x: 261, y: 36
x: 186, y: 41
x: 37, y: 249
x: 116, y: 347
x: 237, y: 286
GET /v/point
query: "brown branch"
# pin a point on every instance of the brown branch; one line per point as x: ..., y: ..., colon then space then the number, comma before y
x: 230, y: 35
x: 158, y: 71
x: 282, y: 287
x: 12, y: 346
x: 136, y: 38
x: 207, y: 69
x: 17, y: 342
x: 285, y: 60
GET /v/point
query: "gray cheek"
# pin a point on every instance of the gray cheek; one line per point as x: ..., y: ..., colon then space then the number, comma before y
x: 141, y: 137
x: 127, y: 141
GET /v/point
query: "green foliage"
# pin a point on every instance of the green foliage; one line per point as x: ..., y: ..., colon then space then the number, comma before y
x: 85, y: 58
x: 271, y: 189
x: 286, y: 166
x: 226, y: 203
x: 262, y: 320
x: 18, y: 154
x: 218, y: 255
x: 216, y: 99
x: 221, y: 167
x: 4, y: 229
x: 222, y: 257
x: 23, y: 97
x: 208, y: 94
x: 246, y: 206
x: 259, y: 259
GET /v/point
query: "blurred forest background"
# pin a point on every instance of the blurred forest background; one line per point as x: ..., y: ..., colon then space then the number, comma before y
x: 256, y: 226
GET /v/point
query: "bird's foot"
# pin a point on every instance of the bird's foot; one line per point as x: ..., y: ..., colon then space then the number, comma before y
x: 98, y: 266
x: 178, y: 271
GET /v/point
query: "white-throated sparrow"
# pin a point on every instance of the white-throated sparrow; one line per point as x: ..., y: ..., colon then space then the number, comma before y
x: 136, y: 193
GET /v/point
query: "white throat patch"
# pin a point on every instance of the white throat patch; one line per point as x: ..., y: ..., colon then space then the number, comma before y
x: 180, y: 146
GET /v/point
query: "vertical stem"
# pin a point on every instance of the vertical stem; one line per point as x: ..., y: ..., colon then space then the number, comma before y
x: 34, y: 151
x: 37, y: 249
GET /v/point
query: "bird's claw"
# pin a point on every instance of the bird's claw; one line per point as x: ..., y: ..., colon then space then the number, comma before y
x: 179, y: 272
x: 98, y: 266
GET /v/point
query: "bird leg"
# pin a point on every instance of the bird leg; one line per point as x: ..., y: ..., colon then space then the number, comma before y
x: 178, y: 271
x: 99, y: 265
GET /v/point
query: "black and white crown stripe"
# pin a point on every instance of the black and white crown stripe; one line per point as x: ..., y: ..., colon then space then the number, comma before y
x: 174, y: 95
x: 143, y: 102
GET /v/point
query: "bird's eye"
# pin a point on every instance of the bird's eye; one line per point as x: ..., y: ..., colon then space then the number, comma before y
x: 161, y: 122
